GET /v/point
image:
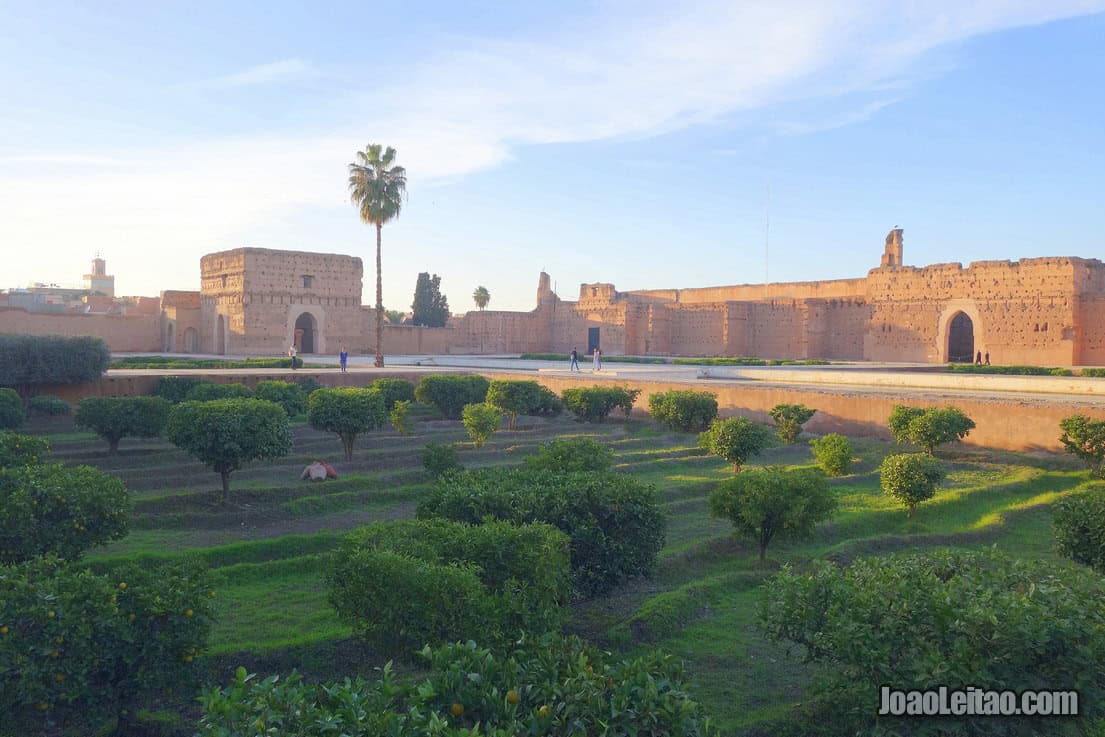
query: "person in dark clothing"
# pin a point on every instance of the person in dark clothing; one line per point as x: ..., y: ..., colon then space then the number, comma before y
x: 987, y: 359
x: 978, y: 359
x: 574, y: 365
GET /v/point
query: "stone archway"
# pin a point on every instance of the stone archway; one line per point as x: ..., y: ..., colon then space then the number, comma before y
x: 961, y: 339
x: 220, y: 335
x: 191, y: 340
x: 306, y: 333
x: 170, y: 338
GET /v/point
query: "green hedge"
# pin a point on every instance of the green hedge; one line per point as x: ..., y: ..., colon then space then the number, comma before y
x: 750, y: 362
x: 180, y: 362
x: 450, y: 393
x: 564, y: 455
x: 176, y: 388
x: 514, y: 398
x: 26, y: 360
x: 407, y: 583
x: 551, y: 686
x: 683, y: 410
x: 394, y: 390
x: 209, y: 392
x: 973, y: 368
x: 614, y: 521
x: 11, y: 410
x: 595, y: 403
x: 1080, y: 529
x: 287, y: 394
x: 115, y: 418
x: 47, y: 405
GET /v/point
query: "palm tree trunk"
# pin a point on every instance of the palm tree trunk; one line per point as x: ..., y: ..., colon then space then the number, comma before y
x: 379, y: 363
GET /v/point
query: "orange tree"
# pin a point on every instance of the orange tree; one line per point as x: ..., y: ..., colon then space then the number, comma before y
x: 115, y: 418
x: 226, y: 434
x: 348, y: 412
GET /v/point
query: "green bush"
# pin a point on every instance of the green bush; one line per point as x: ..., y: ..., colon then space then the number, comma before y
x: 206, y: 392
x: 833, y: 453
x: 551, y: 686
x: 970, y: 368
x: 1079, y: 523
x: 308, y: 384
x: 614, y: 521
x: 749, y: 362
x: 27, y: 360
x: 46, y: 405
x: 911, y: 478
x: 226, y: 434
x: 450, y: 393
x: 348, y: 412
x: 1085, y: 439
x: 178, y: 362
x: 115, y: 418
x: 773, y: 502
x: 404, y: 584
x: 789, y: 419
x: 929, y: 427
x: 394, y: 390
x: 514, y: 398
x: 565, y: 455
x: 440, y: 459
x: 736, y: 440
x: 80, y: 650
x: 401, y: 417
x: 1094, y: 372
x: 683, y: 410
x: 548, y: 403
x: 595, y: 403
x: 21, y: 450
x: 11, y: 410
x: 287, y: 394
x: 944, y: 618
x: 59, y: 509
x: 176, y: 388
x: 481, y: 421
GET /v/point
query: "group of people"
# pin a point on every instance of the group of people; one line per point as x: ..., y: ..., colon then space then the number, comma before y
x: 978, y: 358
x: 596, y: 358
x: 343, y: 357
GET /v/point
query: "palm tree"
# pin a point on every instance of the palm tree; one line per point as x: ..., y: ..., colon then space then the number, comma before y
x: 481, y: 296
x: 377, y: 187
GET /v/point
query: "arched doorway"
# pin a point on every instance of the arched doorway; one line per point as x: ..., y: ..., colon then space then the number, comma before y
x: 961, y: 339
x: 191, y: 340
x: 220, y: 335
x: 170, y: 339
x: 305, y: 329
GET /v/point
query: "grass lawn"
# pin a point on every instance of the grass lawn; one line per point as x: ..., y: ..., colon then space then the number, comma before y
x: 267, y: 547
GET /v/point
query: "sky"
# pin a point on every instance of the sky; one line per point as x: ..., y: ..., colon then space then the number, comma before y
x: 646, y: 144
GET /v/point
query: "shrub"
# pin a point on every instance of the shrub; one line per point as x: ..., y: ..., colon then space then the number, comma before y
x: 1094, y: 372
x: 79, y: 648
x: 27, y: 360
x: 551, y: 686
x: 945, y: 618
x: 22, y: 450
x: 686, y: 410
x: 1085, y: 439
x: 565, y: 455
x: 481, y: 421
x: 594, y: 403
x: 308, y: 384
x: 614, y: 522
x: 394, y: 390
x: 736, y: 440
x: 225, y: 434
x: 765, y: 503
x: 11, y: 410
x: 548, y: 403
x: 46, y: 405
x: 115, y: 418
x: 347, y: 412
x: 287, y: 394
x: 1080, y: 529
x: 404, y: 584
x: 401, y: 417
x: 440, y: 459
x: 206, y: 392
x: 450, y: 393
x: 514, y: 398
x: 833, y: 453
x: 59, y: 509
x: 930, y: 427
x: 789, y: 419
x: 176, y: 388
x: 911, y: 478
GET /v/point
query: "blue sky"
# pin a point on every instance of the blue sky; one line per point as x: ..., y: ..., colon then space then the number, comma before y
x: 641, y: 143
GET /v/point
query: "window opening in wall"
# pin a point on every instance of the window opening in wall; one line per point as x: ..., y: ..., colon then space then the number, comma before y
x: 308, y: 280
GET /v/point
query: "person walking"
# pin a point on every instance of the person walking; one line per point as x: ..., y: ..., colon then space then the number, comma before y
x: 978, y: 358
x: 291, y: 354
x: 574, y: 365
x: 987, y: 358
x: 597, y: 359
x: 343, y: 358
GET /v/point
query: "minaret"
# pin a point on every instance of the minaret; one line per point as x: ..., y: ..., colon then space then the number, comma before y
x: 99, y: 280
x: 544, y: 289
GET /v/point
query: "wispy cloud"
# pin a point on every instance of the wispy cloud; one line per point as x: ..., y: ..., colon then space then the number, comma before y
x: 272, y: 73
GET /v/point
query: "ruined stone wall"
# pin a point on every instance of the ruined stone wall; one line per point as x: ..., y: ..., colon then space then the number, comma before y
x: 122, y: 333
x: 778, y: 329
x: 829, y: 289
x: 835, y: 328
x: 698, y: 330
x: 1022, y: 312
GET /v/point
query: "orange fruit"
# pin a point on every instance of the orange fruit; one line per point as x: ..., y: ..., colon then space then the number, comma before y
x: 210, y: 594
x: 123, y: 586
x: 543, y: 712
x: 59, y: 677
x: 187, y: 658
x: 188, y: 612
x: 4, y: 630
x: 130, y: 617
x: 51, y: 614
x: 59, y: 640
x: 456, y: 709
x: 512, y: 697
